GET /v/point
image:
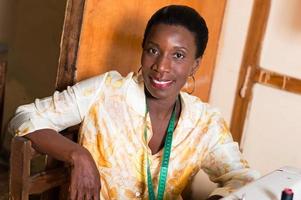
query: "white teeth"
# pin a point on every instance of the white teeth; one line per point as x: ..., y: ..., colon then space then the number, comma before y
x: 161, y: 82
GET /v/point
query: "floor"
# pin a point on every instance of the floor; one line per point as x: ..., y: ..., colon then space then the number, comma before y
x: 3, y: 183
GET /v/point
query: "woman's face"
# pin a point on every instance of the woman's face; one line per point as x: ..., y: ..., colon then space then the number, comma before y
x: 168, y: 59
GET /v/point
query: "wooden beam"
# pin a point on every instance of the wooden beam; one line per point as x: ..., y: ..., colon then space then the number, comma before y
x: 69, y: 43
x: 277, y: 80
x: 19, y: 168
x: 247, y: 71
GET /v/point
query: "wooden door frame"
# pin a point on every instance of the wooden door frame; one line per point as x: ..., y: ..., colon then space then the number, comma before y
x: 251, y: 72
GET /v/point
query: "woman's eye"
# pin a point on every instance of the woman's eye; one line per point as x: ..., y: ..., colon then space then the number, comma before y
x: 152, y: 51
x: 179, y: 56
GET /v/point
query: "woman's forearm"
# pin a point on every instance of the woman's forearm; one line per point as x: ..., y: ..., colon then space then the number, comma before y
x: 50, y: 142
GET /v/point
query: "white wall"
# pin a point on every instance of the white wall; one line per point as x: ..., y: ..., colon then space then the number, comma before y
x: 272, y: 135
x: 272, y: 130
x: 281, y: 51
x: 232, y: 40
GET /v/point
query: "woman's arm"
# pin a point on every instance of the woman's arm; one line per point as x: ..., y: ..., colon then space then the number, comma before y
x: 223, y: 161
x: 42, y: 120
x: 85, y: 179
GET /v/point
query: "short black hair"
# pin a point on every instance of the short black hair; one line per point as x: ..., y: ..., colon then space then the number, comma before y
x: 184, y: 16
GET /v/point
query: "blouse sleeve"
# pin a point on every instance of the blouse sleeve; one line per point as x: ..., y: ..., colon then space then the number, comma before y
x: 224, y: 162
x: 59, y: 111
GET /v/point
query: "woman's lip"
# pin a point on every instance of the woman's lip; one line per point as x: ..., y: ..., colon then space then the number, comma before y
x: 160, y: 84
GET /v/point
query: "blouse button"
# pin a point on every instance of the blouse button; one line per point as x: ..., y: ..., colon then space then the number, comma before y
x: 137, y: 194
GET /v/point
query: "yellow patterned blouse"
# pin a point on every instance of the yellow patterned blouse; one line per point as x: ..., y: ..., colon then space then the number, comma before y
x: 111, y: 111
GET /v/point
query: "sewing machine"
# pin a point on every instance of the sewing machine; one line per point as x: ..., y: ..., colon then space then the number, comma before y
x: 270, y: 186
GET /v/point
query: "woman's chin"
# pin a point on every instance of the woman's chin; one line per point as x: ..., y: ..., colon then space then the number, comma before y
x: 160, y: 93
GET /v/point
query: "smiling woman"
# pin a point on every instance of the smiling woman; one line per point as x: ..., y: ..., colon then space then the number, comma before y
x: 140, y: 136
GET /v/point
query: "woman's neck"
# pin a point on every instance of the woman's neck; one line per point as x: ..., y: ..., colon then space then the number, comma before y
x: 162, y: 108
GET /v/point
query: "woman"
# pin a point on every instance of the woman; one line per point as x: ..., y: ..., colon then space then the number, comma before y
x: 140, y: 137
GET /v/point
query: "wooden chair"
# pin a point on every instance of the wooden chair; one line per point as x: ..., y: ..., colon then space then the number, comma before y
x: 24, y: 182
x: 52, y: 181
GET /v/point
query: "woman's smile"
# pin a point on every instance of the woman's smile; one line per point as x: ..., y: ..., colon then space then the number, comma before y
x: 160, y: 84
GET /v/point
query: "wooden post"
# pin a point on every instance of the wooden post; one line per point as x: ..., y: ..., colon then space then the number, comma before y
x: 20, y: 168
x: 250, y: 61
x: 69, y: 43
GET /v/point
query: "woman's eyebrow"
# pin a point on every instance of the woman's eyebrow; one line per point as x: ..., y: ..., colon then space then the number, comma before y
x: 175, y: 47
x: 182, y: 48
x: 152, y: 43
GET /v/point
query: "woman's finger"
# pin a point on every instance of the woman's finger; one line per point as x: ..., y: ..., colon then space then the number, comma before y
x: 72, y: 192
x: 80, y: 195
x: 88, y: 196
x: 96, y: 194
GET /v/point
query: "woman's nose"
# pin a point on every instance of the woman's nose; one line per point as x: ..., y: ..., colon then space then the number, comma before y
x: 163, y: 63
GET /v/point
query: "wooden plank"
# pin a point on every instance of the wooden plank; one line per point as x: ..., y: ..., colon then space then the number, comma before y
x: 69, y: 43
x: 19, y: 169
x: 46, y: 180
x: 277, y: 80
x: 251, y: 54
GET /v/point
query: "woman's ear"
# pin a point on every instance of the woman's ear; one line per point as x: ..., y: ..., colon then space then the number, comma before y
x: 196, y: 65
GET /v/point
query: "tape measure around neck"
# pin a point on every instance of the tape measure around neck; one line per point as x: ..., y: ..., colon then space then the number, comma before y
x: 165, y: 160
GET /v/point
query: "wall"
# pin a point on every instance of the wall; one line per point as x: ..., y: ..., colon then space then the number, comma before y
x: 274, y: 115
x: 232, y: 40
x: 33, y: 43
x: 6, y: 7
x: 272, y: 129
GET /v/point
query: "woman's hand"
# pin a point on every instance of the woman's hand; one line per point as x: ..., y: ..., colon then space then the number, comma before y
x: 85, y: 178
